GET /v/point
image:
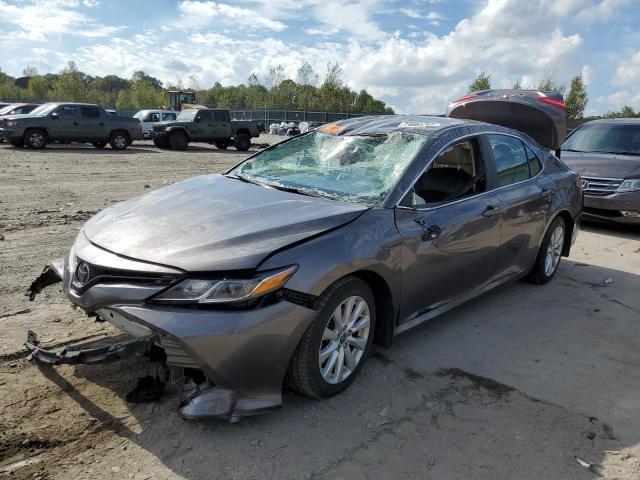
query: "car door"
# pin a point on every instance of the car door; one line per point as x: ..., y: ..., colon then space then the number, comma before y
x: 202, y: 126
x: 221, y: 124
x: 63, y: 123
x: 450, y: 229
x: 91, y: 126
x: 525, y: 199
x: 148, y: 120
x: 168, y: 116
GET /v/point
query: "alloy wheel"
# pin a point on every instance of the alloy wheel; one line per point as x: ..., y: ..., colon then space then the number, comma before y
x: 344, y: 339
x: 554, y: 251
x: 36, y: 140
x: 120, y: 141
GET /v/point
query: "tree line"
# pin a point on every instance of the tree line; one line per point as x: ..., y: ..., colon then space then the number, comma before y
x: 273, y: 91
x: 575, y: 98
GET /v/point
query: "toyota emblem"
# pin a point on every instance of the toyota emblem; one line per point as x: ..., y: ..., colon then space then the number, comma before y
x: 83, y: 274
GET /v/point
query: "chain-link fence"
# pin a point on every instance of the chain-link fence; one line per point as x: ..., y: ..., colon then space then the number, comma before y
x: 277, y: 116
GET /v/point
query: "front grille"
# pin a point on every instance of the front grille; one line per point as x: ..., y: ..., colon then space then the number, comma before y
x: 176, y: 356
x: 601, y: 187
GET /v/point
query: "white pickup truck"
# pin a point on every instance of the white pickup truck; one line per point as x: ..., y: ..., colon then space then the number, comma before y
x: 149, y: 117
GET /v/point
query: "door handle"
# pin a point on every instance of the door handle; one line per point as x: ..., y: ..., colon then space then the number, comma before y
x: 547, y: 193
x: 429, y: 233
x: 491, y: 210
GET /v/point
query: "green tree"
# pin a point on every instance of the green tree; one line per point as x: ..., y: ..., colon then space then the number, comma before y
x: 307, y: 75
x: 38, y: 89
x: 70, y: 85
x: 481, y: 82
x: 549, y: 84
x: 577, y: 98
x: 29, y: 71
x: 517, y: 85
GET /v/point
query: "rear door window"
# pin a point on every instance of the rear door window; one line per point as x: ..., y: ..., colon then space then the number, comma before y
x: 219, y: 116
x: 534, y: 162
x: 511, y: 160
x: 89, y: 112
x: 168, y: 117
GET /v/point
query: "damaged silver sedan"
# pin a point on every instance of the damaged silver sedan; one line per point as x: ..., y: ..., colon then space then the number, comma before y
x: 286, y: 268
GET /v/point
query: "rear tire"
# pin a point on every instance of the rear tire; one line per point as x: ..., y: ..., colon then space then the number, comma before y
x: 550, y: 253
x: 242, y: 142
x: 178, y: 140
x: 35, y: 139
x: 336, y: 343
x: 222, y: 144
x: 119, y: 140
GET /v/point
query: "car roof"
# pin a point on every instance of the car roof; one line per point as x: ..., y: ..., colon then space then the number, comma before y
x: 383, y: 124
x: 623, y: 121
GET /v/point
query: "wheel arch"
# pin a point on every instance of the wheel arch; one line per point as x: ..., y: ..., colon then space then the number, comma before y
x: 565, y: 214
x: 242, y: 130
x: 170, y: 130
x: 29, y: 129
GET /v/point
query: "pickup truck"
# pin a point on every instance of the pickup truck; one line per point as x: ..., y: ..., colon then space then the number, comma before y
x: 205, y: 125
x: 70, y: 122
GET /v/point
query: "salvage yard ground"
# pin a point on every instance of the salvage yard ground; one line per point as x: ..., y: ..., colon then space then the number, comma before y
x: 512, y: 385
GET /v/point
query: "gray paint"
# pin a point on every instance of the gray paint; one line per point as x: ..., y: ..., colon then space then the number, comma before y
x: 224, y: 226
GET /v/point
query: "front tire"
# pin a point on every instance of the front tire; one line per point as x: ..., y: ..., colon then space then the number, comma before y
x: 119, y: 140
x: 35, y: 139
x: 550, y: 253
x: 99, y: 145
x: 336, y: 343
x: 242, y: 142
x: 160, y: 142
x: 222, y: 144
x: 178, y: 140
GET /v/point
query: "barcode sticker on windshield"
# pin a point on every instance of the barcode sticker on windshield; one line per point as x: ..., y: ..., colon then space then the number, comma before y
x: 419, y: 124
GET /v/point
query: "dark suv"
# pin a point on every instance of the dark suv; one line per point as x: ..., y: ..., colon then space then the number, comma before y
x: 70, y: 122
x: 205, y: 125
x: 606, y: 153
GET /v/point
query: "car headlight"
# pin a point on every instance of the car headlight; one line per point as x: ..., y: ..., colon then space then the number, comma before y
x: 629, y: 185
x: 206, y: 291
x: 11, y: 123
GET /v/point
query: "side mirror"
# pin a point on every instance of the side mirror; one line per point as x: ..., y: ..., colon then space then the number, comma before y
x: 198, y: 119
x: 55, y: 116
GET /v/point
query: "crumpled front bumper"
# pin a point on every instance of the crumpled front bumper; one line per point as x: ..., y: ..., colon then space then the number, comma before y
x: 244, y: 354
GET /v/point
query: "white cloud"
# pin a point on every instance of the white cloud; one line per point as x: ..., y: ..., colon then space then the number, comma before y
x: 38, y: 20
x: 628, y: 71
x: 205, y: 14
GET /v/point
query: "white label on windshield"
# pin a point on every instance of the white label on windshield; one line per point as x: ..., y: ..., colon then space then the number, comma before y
x: 419, y: 124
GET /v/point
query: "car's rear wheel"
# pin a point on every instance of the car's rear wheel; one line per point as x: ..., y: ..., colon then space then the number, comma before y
x: 178, y: 140
x: 35, y: 139
x: 242, y: 142
x: 99, y: 144
x: 222, y: 144
x: 335, y: 345
x: 550, y: 253
x: 119, y: 140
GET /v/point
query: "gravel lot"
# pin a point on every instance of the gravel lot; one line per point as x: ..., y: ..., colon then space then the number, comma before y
x: 514, y: 384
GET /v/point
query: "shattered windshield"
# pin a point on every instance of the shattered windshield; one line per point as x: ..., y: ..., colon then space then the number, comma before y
x: 356, y: 168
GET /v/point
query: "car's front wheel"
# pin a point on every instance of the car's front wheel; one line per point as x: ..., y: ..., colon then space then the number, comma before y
x: 550, y: 253
x: 35, y: 139
x: 178, y: 140
x: 335, y: 345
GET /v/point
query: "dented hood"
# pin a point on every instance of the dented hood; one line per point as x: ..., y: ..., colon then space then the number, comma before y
x: 213, y: 223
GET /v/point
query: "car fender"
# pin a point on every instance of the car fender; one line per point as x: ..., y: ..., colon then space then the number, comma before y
x: 370, y: 244
x: 170, y: 130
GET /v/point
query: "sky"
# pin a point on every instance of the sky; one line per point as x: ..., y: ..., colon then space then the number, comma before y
x: 416, y: 55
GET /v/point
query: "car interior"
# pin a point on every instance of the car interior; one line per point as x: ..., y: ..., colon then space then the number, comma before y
x: 456, y: 173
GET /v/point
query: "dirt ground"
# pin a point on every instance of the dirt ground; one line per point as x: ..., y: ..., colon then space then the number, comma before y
x: 514, y: 384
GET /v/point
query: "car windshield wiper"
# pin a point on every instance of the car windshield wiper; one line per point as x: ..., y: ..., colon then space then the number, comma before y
x: 300, y: 191
x: 243, y: 178
x: 620, y: 153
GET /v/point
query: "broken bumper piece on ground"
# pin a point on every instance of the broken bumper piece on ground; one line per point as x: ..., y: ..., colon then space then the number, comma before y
x: 88, y: 356
x: 51, y: 274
